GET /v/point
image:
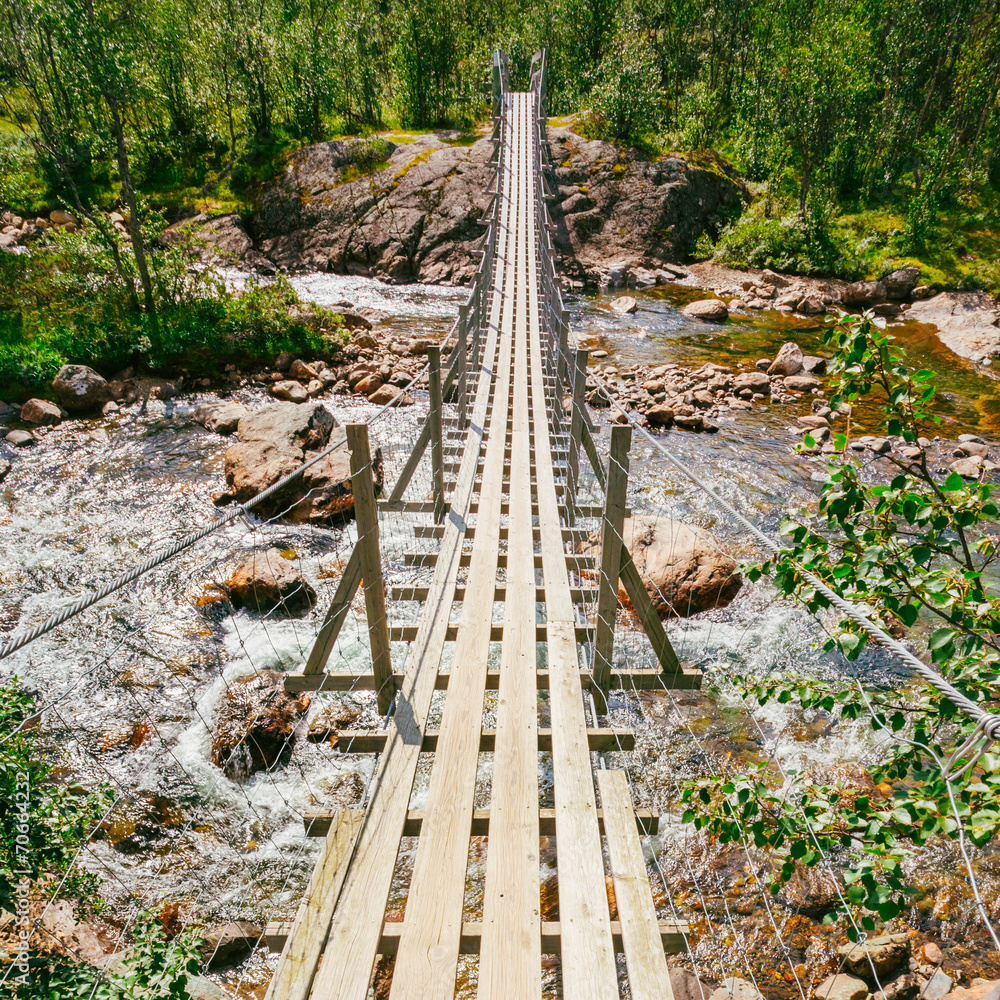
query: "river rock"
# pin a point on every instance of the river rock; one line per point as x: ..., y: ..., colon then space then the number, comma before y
x: 80, y: 388
x: 810, y: 305
x: 938, y: 986
x: 885, y: 953
x: 41, y: 412
x: 863, y: 293
x: 978, y: 989
x: 753, y: 381
x: 302, y: 370
x: 269, y: 583
x: 686, y: 985
x: 20, y: 439
x: 660, y: 415
x: 709, y: 310
x: 386, y: 394
x: 735, y: 989
x: 220, y: 415
x: 969, y: 468
x: 812, y: 365
x: 255, y: 724
x: 275, y: 441
x: 802, y: 383
x: 842, y: 987
x: 200, y: 988
x: 60, y: 218
x: 682, y: 567
x: 4, y: 469
x: 905, y: 987
x: 899, y: 284
x: 291, y: 392
x: 624, y: 305
x: 369, y: 384
x: 967, y: 322
x: 788, y: 360
x: 230, y: 943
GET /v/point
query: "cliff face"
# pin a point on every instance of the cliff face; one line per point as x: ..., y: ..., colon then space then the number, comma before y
x: 415, y: 218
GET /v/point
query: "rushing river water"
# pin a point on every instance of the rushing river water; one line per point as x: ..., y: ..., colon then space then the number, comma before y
x: 136, y: 683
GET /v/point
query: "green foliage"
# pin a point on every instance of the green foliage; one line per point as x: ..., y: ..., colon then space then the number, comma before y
x: 157, y: 968
x: 66, y: 303
x: 42, y: 822
x: 625, y: 102
x: 800, y: 244
x: 919, y: 552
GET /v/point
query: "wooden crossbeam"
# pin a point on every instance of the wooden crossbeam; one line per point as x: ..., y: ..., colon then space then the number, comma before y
x: 317, y: 822
x: 374, y: 740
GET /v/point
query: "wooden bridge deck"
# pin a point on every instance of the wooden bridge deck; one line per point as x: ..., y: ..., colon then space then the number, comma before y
x: 509, y: 495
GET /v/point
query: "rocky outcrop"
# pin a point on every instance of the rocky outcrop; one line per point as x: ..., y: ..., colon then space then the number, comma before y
x: 968, y: 323
x: 255, y: 725
x: 222, y: 240
x: 274, y: 442
x: 80, y: 388
x: 684, y: 569
x: 268, y: 582
x: 415, y: 217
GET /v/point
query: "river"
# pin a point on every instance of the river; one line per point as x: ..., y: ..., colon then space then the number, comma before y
x: 136, y: 682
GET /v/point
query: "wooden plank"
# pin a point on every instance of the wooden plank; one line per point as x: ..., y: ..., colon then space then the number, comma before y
x: 326, y: 638
x: 408, y: 633
x: 612, y: 527
x: 429, y: 947
x: 306, y: 936
x: 578, y: 562
x: 588, y: 962
x: 579, y: 595
x: 366, y: 514
x: 510, y: 959
x: 648, y: 978
x: 317, y: 822
x: 629, y: 680
x: 374, y: 740
x: 673, y: 934
x: 357, y: 922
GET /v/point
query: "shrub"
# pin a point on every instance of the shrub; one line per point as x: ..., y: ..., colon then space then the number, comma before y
x: 66, y: 302
x: 795, y: 244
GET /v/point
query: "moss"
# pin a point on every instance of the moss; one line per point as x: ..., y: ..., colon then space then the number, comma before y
x: 404, y: 170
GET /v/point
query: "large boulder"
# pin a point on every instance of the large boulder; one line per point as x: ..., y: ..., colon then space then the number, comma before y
x: 80, y: 388
x: 273, y: 443
x: 684, y: 569
x: 788, y: 360
x: 899, y: 284
x: 863, y: 293
x: 268, y: 582
x: 255, y: 726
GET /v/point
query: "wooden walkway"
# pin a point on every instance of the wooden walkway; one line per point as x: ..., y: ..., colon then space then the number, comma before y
x: 512, y: 494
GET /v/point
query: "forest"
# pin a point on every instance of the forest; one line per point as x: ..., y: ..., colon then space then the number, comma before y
x: 850, y: 105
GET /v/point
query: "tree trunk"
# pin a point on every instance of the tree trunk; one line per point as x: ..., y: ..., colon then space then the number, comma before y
x: 135, y: 229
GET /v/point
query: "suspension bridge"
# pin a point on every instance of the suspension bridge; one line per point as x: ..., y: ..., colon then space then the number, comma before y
x: 495, y: 725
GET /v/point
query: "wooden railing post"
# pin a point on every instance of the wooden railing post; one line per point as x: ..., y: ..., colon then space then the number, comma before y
x: 366, y: 515
x: 437, y: 432
x: 576, y: 430
x: 460, y: 346
x: 611, y: 557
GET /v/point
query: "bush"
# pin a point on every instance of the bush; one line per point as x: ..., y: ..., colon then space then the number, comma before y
x: 795, y: 244
x: 66, y: 302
